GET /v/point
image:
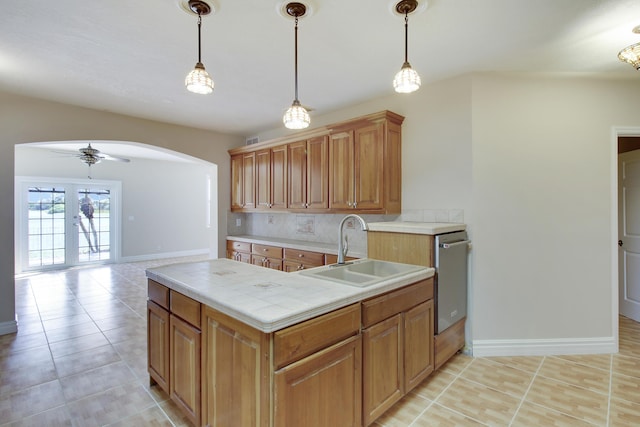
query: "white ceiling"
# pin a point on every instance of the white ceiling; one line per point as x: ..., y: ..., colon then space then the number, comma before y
x: 131, y: 57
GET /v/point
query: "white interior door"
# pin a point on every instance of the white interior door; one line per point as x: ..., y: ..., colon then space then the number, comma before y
x: 66, y: 223
x: 629, y: 234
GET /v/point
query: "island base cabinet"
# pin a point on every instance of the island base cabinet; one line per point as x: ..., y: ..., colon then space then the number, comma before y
x: 185, y: 368
x: 158, y: 345
x: 235, y: 362
x: 321, y: 390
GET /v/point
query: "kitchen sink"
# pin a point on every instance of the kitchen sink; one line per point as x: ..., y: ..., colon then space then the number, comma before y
x: 362, y: 273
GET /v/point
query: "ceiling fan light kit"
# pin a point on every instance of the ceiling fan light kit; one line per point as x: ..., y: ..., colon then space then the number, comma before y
x: 198, y: 80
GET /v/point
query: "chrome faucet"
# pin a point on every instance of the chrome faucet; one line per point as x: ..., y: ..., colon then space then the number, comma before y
x: 343, y: 244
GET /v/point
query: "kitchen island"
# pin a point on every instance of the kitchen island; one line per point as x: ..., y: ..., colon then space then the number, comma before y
x: 236, y: 344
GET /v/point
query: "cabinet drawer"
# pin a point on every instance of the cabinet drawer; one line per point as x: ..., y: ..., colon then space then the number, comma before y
x: 232, y: 245
x: 158, y: 293
x: 186, y: 308
x: 297, y: 341
x: 385, y: 306
x: 304, y: 257
x: 267, y: 251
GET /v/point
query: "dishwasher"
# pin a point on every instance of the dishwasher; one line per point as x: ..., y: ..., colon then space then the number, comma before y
x: 450, y: 285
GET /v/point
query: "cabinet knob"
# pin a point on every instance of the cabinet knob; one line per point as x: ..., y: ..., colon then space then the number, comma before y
x: 355, y: 204
x: 349, y: 204
x: 301, y: 255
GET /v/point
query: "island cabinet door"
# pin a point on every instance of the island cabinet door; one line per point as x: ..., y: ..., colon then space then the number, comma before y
x: 383, y: 356
x: 185, y: 367
x: 158, y: 344
x: 235, y: 373
x: 323, y: 389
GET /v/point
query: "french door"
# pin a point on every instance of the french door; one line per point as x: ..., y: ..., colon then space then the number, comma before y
x: 66, y: 223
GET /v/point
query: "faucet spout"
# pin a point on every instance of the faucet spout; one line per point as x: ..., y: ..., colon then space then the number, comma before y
x: 343, y: 245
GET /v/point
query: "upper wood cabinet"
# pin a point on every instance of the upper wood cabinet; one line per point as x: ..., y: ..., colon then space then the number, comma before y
x: 308, y: 171
x: 345, y: 167
x: 243, y: 181
x: 271, y: 178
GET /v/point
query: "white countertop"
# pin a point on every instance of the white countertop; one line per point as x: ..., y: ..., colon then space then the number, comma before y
x: 430, y: 228
x: 327, y: 248
x: 267, y: 299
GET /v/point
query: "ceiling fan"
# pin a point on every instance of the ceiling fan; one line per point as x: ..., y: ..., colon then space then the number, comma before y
x: 91, y: 156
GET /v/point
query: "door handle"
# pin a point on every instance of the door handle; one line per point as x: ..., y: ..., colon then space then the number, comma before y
x: 619, y: 242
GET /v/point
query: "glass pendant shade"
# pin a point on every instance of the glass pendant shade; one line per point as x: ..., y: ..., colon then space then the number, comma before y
x: 199, y: 81
x: 296, y: 117
x: 406, y: 80
x: 631, y: 54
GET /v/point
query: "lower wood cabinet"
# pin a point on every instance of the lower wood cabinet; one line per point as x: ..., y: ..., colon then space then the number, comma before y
x: 184, y: 372
x: 158, y: 344
x: 321, y: 390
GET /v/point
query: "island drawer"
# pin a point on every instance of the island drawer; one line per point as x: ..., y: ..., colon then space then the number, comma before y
x: 382, y: 307
x: 158, y: 293
x: 298, y: 341
x: 266, y: 250
x: 186, y: 308
x: 306, y: 257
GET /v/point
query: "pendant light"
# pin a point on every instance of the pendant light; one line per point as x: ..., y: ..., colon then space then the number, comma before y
x: 296, y: 117
x: 631, y: 54
x: 407, y: 80
x: 198, y: 80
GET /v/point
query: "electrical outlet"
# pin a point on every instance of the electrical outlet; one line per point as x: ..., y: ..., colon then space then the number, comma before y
x: 238, y: 222
x: 270, y: 219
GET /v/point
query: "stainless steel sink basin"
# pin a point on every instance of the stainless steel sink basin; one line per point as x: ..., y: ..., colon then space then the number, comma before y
x: 362, y: 273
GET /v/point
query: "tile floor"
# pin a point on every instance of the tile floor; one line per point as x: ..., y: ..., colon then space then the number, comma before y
x: 79, y: 359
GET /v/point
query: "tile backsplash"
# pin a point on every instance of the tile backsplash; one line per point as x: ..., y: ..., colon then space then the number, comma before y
x: 323, y: 228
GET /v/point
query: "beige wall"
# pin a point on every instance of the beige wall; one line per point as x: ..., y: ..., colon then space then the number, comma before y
x: 530, y: 161
x: 24, y: 120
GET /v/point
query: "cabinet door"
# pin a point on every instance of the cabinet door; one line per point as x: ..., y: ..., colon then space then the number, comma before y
x: 249, y: 180
x: 322, y: 389
x: 235, y: 390
x: 297, y: 175
x: 318, y: 173
x: 341, y: 179
x: 158, y: 344
x: 418, y: 345
x: 237, y: 185
x: 369, y: 169
x: 184, y: 362
x: 279, y: 177
x: 263, y: 179
x: 382, y: 362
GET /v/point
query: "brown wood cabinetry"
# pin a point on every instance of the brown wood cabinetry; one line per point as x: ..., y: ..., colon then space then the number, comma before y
x: 173, y: 347
x: 243, y: 181
x: 353, y: 165
x: 397, y: 349
x: 308, y: 171
x: 266, y: 256
x: 295, y: 259
x: 239, y: 251
x: 271, y: 178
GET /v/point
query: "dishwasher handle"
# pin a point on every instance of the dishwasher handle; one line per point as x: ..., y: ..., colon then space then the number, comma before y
x: 451, y: 245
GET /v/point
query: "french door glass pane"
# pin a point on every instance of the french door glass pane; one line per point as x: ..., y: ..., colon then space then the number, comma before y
x: 46, y: 226
x: 94, y: 215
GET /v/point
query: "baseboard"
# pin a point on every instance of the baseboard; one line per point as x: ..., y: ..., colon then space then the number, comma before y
x: 151, y: 257
x: 548, y: 347
x: 10, y: 327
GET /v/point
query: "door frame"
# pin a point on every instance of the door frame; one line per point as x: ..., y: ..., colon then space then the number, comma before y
x: 21, y: 225
x: 616, y: 132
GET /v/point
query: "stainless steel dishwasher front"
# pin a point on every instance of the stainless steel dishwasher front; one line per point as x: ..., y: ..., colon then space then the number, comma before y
x: 451, y: 251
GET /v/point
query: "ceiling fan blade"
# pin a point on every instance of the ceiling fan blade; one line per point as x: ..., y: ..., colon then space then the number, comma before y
x: 114, y: 158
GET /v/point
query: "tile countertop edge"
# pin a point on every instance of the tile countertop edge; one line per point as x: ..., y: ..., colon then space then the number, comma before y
x: 265, y: 324
x: 303, y: 245
x: 430, y: 228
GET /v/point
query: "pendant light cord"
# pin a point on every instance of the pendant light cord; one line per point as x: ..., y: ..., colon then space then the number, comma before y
x: 406, y: 37
x: 199, y: 47
x: 296, y: 60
